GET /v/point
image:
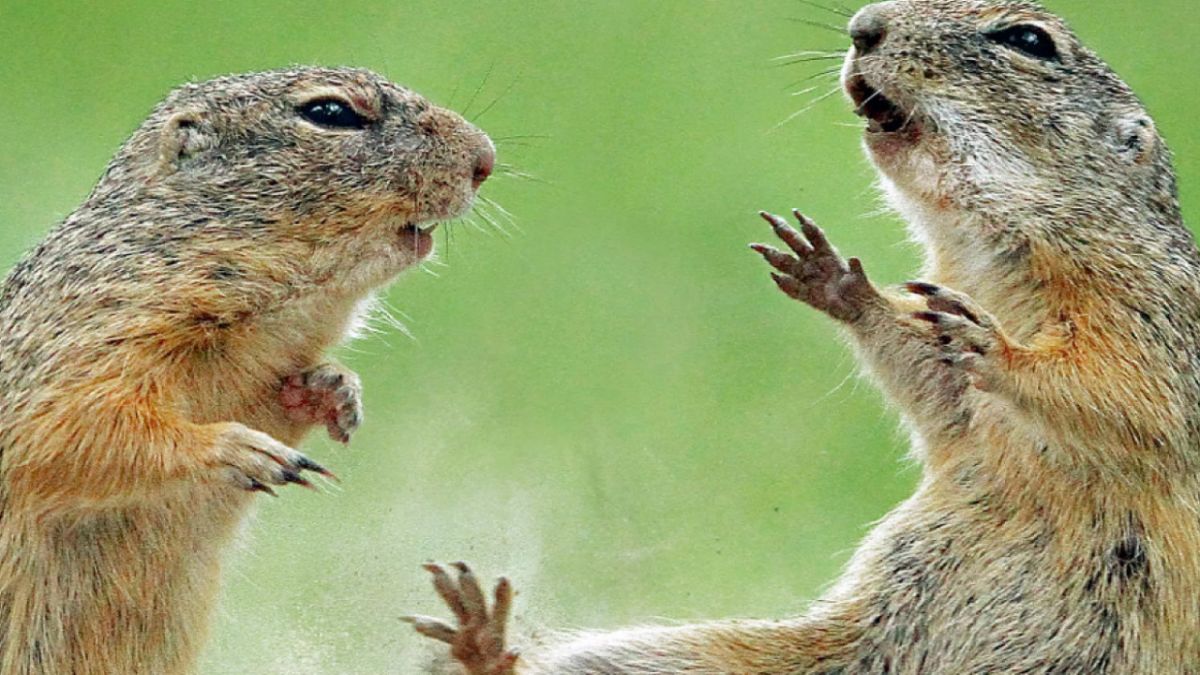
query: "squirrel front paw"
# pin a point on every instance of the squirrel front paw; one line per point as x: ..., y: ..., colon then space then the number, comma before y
x: 968, y: 337
x: 328, y: 394
x: 816, y: 274
x: 254, y: 461
x: 478, y: 644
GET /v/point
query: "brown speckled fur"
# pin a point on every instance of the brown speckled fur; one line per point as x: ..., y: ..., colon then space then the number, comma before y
x: 1046, y: 369
x: 144, y: 343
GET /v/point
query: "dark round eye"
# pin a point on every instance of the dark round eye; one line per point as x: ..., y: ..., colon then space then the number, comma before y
x: 332, y: 113
x: 1032, y: 40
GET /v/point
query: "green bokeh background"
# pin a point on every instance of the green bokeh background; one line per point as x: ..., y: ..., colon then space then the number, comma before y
x: 612, y: 404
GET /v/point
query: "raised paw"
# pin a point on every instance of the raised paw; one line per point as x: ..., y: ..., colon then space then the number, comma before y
x: 815, y: 273
x: 254, y: 461
x: 328, y: 394
x: 966, y: 334
x: 478, y: 642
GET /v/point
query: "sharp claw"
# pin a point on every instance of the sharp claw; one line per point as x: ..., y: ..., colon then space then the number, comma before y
x: 773, y: 219
x: 954, y: 307
x: 432, y: 628
x: 290, y: 476
x: 929, y: 317
x: 337, y: 433
x: 258, y: 486
x: 788, y: 285
x: 308, y: 465
x: 507, y: 661
x: 856, y: 267
x: 777, y: 259
x: 921, y: 288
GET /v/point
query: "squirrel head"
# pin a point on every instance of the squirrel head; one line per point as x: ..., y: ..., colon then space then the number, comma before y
x: 994, y: 106
x: 332, y: 158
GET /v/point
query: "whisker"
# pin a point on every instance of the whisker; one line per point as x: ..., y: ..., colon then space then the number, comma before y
x: 482, y: 212
x: 809, y: 59
x: 836, y: 9
x: 840, y: 30
x: 860, y: 106
x: 521, y: 137
x: 496, y: 100
x: 385, y: 313
x: 811, y: 52
x: 823, y: 73
x: 479, y: 89
x: 495, y: 210
x: 446, y: 242
x: 469, y: 219
x: 454, y: 92
x: 805, y: 109
x: 911, y: 114
x: 503, y: 213
x: 807, y: 90
x: 510, y: 171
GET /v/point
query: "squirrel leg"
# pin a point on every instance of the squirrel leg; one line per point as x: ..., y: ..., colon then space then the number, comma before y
x: 122, y: 453
x: 329, y: 394
x: 899, y: 353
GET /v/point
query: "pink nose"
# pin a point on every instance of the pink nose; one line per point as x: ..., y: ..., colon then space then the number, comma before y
x: 485, y: 163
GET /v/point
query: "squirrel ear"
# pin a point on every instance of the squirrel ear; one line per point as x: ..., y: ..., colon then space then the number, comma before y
x: 1136, y: 138
x: 185, y: 135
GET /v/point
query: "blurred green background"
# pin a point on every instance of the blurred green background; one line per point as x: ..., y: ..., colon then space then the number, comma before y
x: 613, y: 404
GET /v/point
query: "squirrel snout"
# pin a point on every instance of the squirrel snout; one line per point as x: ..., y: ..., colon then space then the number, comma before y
x: 868, y: 28
x: 485, y: 163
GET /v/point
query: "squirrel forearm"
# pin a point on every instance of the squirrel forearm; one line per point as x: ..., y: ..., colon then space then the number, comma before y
x: 907, y: 366
x: 765, y: 648
x: 127, y: 450
x: 102, y: 456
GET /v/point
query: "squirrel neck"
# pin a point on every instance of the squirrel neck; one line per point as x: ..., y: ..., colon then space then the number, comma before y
x: 983, y: 259
x: 1030, y: 269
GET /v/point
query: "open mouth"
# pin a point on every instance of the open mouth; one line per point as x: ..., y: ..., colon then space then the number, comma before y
x: 883, y: 115
x: 417, y: 239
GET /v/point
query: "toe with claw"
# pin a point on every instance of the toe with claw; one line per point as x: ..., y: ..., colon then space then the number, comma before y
x: 967, y: 335
x: 478, y: 640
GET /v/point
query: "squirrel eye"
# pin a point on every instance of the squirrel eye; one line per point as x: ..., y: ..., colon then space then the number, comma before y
x: 1032, y: 40
x: 333, y: 114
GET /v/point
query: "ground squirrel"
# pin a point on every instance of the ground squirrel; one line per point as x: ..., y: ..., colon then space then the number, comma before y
x: 163, y: 347
x: 1045, y: 367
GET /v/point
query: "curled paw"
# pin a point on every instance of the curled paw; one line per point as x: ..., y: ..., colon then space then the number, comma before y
x: 966, y: 334
x: 815, y: 273
x: 478, y: 641
x: 254, y: 461
x: 328, y: 394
